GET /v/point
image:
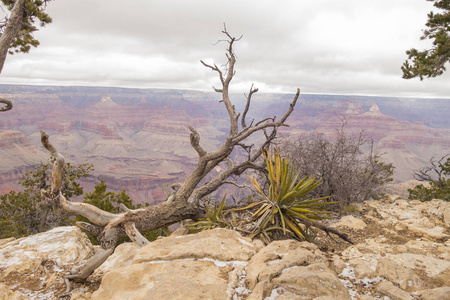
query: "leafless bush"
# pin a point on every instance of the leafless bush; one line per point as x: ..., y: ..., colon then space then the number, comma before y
x: 348, y: 166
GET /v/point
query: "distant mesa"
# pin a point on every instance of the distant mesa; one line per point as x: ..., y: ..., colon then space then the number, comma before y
x: 374, y: 111
x: 353, y: 109
x: 106, y: 101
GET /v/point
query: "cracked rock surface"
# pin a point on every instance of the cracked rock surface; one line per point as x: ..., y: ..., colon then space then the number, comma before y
x: 401, y: 251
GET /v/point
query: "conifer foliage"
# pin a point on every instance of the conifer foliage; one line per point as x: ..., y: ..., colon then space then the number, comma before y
x: 431, y: 62
x: 24, y: 213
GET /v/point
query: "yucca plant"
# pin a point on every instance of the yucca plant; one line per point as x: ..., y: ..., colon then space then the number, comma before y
x: 215, y: 218
x: 279, y: 212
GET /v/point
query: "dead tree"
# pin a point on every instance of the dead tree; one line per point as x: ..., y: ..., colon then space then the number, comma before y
x: 186, y: 201
x: 438, y: 169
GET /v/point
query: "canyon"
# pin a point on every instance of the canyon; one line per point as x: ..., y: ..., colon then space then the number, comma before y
x: 138, y: 139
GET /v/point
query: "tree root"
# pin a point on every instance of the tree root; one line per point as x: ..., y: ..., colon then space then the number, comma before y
x: 329, y: 230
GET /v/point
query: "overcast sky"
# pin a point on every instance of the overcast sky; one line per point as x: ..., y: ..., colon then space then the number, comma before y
x: 321, y: 46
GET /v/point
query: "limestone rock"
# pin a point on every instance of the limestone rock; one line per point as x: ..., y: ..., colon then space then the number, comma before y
x: 261, y: 290
x: 278, y: 256
x: 312, y: 281
x: 122, y: 256
x: 7, y: 294
x: 424, y: 220
x: 387, y: 288
x: 441, y: 293
x: 62, y: 245
x: 218, y: 244
x: 400, y: 253
x: 350, y: 222
x: 402, y: 275
x: 207, y: 265
x: 6, y: 241
x: 364, y: 268
x: 402, y: 269
x: 35, y: 265
x: 165, y: 280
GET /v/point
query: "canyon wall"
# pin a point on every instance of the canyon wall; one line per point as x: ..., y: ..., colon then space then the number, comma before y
x: 138, y: 139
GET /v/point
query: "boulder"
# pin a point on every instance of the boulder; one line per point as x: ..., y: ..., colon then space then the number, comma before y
x: 176, y: 279
x: 350, y: 222
x: 398, y: 273
x: 208, y: 265
x: 312, y: 281
x: 33, y: 267
x: 58, y: 247
x: 279, y: 256
x: 388, y: 289
x: 218, y: 244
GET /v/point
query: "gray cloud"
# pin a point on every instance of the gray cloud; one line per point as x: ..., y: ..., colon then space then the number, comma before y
x: 324, y: 46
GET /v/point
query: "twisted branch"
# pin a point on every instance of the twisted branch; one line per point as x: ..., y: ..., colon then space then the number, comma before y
x: 8, y: 105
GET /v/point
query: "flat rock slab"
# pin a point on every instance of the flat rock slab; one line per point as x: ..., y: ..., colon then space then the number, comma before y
x: 34, y: 267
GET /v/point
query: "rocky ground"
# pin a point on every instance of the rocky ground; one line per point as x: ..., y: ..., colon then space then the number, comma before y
x: 401, y: 251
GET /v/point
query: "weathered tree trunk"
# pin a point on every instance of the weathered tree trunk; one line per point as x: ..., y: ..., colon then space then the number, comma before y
x: 12, y: 29
x: 185, y: 202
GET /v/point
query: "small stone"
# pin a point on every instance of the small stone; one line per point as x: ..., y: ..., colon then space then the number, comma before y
x: 337, y: 264
x: 351, y: 222
x: 261, y: 290
x: 387, y: 288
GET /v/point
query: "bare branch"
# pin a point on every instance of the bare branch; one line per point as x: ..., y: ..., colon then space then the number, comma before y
x: 225, y: 80
x: 135, y: 235
x: 90, y: 212
x: 247, y: 106
x: 216, y: 69
x: 218, y: 91
x: 123, y: 207
x: 241, y: 186
x: 436, y: 168
x: 195, y: 142
x: 291, y: 108
x: 58, y: 166
x: 8, y: 105
x: 265, y: 120
x: 328, y: 230
x: 261, y: 125
x: 95, y: 230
